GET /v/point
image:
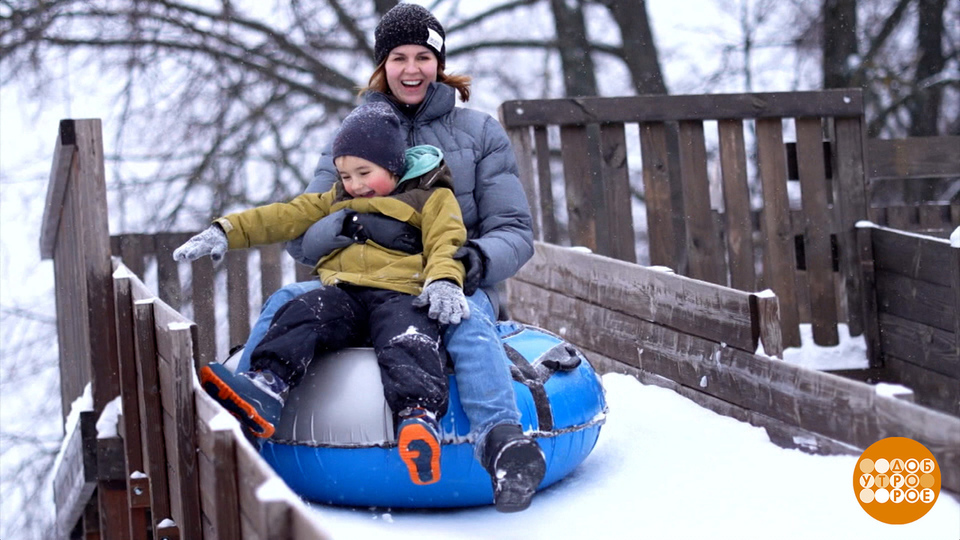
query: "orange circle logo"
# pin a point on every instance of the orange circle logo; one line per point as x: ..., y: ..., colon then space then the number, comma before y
x: 896, y: 480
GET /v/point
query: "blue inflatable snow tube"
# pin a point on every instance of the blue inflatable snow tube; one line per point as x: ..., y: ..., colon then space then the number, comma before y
x: 335, y: 444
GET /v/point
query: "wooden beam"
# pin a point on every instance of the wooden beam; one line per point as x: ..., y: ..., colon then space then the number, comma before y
x: 914, y: 157
x: 598, y: 110
x: 64, y: 151
x: 714, y: 312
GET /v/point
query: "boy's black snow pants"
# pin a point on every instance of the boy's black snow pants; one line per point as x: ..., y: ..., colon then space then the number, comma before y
x: 406, y: 341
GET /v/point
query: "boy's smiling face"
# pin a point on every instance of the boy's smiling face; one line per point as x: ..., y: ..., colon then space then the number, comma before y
x: 362, y: 178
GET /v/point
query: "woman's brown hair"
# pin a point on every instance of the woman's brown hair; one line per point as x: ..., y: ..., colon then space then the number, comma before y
x: 378, y: 82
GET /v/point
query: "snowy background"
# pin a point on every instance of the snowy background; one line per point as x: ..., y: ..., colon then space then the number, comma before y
x: 663, y: 467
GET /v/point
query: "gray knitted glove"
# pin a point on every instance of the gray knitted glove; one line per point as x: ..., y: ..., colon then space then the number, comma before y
x: 447, y: 303
x: 212, y: 242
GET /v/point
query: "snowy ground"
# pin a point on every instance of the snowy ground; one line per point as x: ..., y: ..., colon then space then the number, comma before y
x: 666, y: 468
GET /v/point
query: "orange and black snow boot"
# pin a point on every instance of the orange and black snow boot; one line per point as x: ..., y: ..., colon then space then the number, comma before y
x: 418, y: 439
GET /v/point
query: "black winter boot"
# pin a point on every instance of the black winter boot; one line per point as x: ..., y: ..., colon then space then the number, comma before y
x: 516, y: 466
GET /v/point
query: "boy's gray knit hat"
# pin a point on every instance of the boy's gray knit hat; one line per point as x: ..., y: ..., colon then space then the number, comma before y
x: 372, y: 132
x: 409, y: 24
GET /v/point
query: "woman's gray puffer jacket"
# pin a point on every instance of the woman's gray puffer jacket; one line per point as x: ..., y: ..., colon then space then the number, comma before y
x: 485, y: 177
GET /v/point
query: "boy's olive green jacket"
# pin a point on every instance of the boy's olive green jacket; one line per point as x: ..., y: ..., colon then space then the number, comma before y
x: 426, y: 202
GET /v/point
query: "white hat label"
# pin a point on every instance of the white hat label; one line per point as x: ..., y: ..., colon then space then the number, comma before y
x: 434, y: 39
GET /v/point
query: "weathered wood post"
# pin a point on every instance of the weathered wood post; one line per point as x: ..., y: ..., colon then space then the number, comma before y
x: 75, y: 235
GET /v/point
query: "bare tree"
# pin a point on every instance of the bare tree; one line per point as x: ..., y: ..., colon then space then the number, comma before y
x: 573, y: 44
x: 639, y: 51
x: 839, y: 42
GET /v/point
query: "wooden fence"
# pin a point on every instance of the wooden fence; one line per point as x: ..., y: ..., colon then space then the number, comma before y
x: 914, y: 330
x: 699, y: 340
x: 192, y: 287
x: 180, y: 467
x: 895, y: 164
x: 682, y: 231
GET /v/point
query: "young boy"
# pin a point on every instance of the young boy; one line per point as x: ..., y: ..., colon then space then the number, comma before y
x: 369, y: 291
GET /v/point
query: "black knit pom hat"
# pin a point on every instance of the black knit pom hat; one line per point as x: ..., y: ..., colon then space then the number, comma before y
x: 372, y: 132
x: 409, y: 24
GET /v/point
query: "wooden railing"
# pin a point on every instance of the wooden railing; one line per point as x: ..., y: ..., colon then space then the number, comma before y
x: 914, y: 329
x: 700, y: 339
x: 934, y: 161
x: 192, y: 288
x: 180, y: 467
x: 672, y: 132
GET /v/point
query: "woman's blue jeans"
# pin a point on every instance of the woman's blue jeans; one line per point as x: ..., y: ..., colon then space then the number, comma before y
x: 479, y: 361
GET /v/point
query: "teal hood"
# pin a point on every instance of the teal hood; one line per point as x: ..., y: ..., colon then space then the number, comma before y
x: 420, y: 160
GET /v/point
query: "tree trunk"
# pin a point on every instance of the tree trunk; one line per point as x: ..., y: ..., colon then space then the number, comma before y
x: 639, y: 50
x: 925, y: 107
x: 839, y: 42
x: 383, y: 6
x: 579, y: 76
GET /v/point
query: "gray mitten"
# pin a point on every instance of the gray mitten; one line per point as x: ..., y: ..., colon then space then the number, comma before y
x: 212, y: 241
x: 447, y: 303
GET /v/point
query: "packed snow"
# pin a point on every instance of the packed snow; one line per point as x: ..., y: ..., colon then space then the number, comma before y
x: 665, y: 467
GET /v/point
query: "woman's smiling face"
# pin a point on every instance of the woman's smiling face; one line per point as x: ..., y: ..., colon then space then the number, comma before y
x: 410, y: 69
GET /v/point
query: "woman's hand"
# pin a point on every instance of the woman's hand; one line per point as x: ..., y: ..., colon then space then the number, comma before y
x: 212, y: 242
x: 447, y: 303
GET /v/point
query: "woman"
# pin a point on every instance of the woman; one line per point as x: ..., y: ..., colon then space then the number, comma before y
x: 410, y: 56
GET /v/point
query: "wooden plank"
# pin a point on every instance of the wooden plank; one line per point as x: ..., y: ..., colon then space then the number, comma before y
x: 72, y: 321
x: 850, y: 207
x: 935, y: 217
x: 703, y: 241
x: 838, y: 408
x: 548, y: 218
x: 736, y: 202
x: 869, y: 310
x: 133, y: 250
x: 523, y: 149
x: 905, y: 218
x: 928, y: 347
x: 133, y: 447
x: 75, y: 473
x: 64, y: 151
x: 177, y: 382
x: 615, y: 213
x: 271, y: 270
x: 819, y: 258
x: 914, y: 157
x: 779, y: 255
x: 114, y: 518
x: 303, y: 273
x: 204, y: 313
x: 151, y: 413
x: 766, y: 322
x: 926, y: 303
x: 581, y: 210
x: 912, y: 255
x: 238, y: 296
x: 955, y: 287
x: 217, y: 467
x: 585, y: 110
x: 930, y: 388
x: 656, y: 186
x: 168, y: 271
x: 251, y: 474
x: 711, y: 311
